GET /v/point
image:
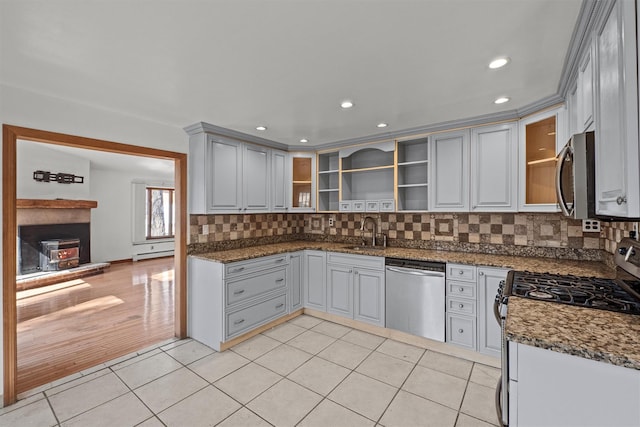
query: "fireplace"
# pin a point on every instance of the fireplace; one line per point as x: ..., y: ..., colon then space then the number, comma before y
x: 52, y: 247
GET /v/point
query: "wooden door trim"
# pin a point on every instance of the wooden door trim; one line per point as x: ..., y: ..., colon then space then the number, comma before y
x: 10, y: 136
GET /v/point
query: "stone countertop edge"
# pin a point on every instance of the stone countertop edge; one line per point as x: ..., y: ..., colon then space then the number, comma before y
x: 599, y: 335
x: 539, y: 265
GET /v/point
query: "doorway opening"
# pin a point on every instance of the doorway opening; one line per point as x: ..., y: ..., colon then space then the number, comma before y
x: 11, y: 135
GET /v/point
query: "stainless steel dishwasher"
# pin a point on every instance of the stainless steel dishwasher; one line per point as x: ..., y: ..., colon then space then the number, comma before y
x: 415, y: 297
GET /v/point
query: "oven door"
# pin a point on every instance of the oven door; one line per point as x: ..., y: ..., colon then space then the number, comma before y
x: 502, y: 388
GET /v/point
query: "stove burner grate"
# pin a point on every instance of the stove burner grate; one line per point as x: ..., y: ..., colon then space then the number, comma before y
x: 593, y: 292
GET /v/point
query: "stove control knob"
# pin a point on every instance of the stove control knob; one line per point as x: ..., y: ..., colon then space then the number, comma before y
x: 622, y: 250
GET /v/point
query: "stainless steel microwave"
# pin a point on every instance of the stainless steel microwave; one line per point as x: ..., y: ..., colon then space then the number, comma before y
x: 575, y: 177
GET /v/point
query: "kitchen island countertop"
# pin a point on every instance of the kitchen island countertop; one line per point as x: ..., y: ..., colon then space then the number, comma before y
x: 600, y: 335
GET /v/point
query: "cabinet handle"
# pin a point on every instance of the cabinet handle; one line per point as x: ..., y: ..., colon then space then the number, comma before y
x: 621, y: 199
x: 461, y: 305
x: 279, y: 260
x: 460, y: 330
x: 244, y: 209
x: 238, y: 269
x: 481, y: 273
x: 357, y: 272
x: 240, y: 292
x: 350, y: 271
x: 279, y: 280
x: 280, y: 305
x: 461, y: 289
x: 461, y: 272
x: 239, y: 321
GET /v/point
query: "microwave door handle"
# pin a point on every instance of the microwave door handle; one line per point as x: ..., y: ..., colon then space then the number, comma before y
x: 561, y: 202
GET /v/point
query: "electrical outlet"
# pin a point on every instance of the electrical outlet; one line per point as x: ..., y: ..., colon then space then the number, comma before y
x: 331, y: 222
x: 590, y: 226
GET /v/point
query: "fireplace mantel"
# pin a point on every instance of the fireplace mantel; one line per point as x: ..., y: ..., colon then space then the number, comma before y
x: 55, y: 204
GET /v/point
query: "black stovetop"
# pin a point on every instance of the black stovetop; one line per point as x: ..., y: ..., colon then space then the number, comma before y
x: 605, y: 294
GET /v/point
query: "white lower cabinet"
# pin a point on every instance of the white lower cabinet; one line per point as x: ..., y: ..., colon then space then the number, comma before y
x: 489, y: 333
x: 355, y: 287
x: 471, y: 292
x: 227, y: 300
x: 548, y: 388
x: 295, y: 280
x: 315, y: 284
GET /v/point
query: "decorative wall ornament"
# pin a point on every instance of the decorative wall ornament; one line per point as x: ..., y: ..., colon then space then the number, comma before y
x: 60, y: 177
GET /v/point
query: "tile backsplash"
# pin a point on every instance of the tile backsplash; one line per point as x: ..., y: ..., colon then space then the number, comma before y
x: 526, y: 234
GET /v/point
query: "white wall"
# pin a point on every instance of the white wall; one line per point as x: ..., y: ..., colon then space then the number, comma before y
x: 32, y: 156
x: 112, y: 221
x: 20, y: 107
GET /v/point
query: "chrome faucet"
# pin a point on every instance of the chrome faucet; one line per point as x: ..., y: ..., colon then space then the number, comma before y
x: 373, y: 230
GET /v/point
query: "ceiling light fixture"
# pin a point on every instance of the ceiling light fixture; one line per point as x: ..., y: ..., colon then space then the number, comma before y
x: 498, y: 63
x: 382, y: 125
x: 261, y: 128
x: 501, y: 100
x: 303, y: 140
x: 346, y: 104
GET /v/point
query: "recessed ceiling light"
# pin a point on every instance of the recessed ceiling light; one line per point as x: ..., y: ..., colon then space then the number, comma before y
x: 498, y: 63
x: 346, y: 104
x: 382, y: 125
x: 261, y: 128
x: 501, y: 100
x: 303, y: 140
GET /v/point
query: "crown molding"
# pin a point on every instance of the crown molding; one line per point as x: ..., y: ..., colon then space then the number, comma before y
x: 203, y: 127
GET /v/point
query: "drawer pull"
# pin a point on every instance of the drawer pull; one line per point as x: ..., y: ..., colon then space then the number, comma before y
x: 460, y: 330
x: 461, y: 289
x: 280, y: 305
x: 481, y: 273
x: 239, y: 321
x: 461, y: 305
x: 238, y: 269
x: 279, y: 280
x: 461, y: 272
x: 240, y: 292
x: 279, y: 260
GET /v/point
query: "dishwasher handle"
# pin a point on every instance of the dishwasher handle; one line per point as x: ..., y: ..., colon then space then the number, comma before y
x: 415, y: 272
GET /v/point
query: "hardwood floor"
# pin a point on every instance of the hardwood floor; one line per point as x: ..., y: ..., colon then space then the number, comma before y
x: 71, y: 326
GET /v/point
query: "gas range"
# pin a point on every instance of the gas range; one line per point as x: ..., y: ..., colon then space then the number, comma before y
x: 620, y: 294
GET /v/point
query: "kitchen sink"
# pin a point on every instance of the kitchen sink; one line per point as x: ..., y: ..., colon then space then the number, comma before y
x: 366, y: 248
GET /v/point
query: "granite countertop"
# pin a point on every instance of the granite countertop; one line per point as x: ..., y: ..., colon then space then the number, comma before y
x: 540, y: 265
x: 601, y: 335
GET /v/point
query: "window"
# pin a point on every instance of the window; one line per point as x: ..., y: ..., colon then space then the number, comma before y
x: 160, y: 213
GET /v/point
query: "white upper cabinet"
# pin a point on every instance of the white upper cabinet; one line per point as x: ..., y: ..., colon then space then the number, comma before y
x: 256, y: 178
x: 617, y: 157
x: 449, y: 172
x: 215, y: 174
x: 494, y: 168
x: 584, y: 92
x: 539, y: 141
x: 278, y: 181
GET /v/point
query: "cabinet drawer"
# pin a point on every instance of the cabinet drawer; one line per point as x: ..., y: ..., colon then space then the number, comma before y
x: 247, y: 318
x: 345, y: 206
x: 358, y: 205
x: 235, y: 269
x: 463, y: 272
x: 356, y: 261
x: 387, y: 205
x: 461, y: 331
x: 461, y: 289
x: 247, y: 287
x: 372, y: 206
x: 462, y: 306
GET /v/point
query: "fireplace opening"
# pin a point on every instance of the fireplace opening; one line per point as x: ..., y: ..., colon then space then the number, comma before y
x: 53, y: 247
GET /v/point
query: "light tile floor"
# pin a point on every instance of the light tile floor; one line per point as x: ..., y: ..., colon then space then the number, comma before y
x: 306, y: 372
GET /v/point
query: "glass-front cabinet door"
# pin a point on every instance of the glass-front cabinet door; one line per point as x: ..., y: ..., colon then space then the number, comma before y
x: 539, y: 143
x: 302, y: 182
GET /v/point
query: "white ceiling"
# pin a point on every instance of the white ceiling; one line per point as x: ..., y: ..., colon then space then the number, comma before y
x: 288, y: 64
